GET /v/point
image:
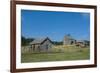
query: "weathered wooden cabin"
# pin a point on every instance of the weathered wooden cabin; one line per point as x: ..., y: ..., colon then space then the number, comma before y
x: 68, y: 40
x: 41, y: 45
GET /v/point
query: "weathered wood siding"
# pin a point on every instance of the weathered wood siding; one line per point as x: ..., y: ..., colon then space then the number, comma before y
x: 46, y: 46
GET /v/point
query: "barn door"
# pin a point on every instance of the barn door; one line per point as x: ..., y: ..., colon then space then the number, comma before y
x: 47, y: 47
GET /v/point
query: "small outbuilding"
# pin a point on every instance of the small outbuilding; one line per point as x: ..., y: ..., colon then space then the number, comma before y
x: 68, y: 40
x: 82, y: 43
x: 41, y: 45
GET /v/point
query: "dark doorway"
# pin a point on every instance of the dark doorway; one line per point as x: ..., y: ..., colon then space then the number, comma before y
x: 46, y: 46
x: 72, y: 42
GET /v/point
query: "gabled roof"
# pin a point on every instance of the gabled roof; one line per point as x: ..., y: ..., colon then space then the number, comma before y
x: 39, y: 40
x: 68, y: 37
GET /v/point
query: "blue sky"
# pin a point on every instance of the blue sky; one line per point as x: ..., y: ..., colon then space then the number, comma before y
x: 52, y: 24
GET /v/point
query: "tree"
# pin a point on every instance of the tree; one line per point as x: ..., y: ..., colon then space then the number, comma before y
x: 57, y: 43
x: 25, y: 41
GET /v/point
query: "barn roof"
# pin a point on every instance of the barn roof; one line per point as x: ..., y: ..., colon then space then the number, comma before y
x: 69, y: 37
x: 39, y: 40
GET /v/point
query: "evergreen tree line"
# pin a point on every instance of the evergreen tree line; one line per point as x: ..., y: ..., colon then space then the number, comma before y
x: 25, y: 41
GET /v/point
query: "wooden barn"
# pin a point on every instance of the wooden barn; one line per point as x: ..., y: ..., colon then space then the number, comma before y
x: 68, y: 40
x: 41, y: 45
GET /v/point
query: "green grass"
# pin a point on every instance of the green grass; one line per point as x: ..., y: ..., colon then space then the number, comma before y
x: 58, y: 54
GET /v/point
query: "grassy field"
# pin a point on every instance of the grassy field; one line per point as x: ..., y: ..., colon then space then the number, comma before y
x: 59, y: 53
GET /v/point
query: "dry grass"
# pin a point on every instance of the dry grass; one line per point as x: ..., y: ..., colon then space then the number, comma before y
x: 59, y: 53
